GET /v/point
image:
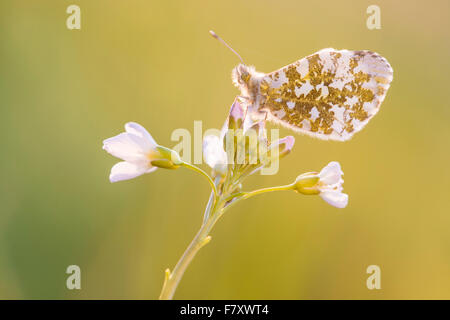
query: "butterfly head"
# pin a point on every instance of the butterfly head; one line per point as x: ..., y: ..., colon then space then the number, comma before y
x: 247, y: 79
x: 244, y: 77
x: 241, y: 75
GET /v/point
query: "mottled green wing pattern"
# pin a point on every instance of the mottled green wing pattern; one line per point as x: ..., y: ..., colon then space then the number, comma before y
x: 331, y: 94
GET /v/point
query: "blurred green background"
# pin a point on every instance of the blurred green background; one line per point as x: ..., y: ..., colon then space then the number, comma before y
x: 62, y: 92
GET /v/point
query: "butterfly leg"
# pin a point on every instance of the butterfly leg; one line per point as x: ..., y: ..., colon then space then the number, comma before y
x: 242, y: 99
x: 261, y: 115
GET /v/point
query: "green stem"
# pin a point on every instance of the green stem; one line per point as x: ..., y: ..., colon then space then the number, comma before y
x: 208, y: 207
x: 212, y: 213
x: 203, y: 173
x: 247, y: 195
x: 173, y: 278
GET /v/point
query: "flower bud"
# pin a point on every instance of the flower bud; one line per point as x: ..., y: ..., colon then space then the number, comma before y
x: 277, y: 150
x: 214, y: 154
x: 236, y: 117
x: 286, y: 145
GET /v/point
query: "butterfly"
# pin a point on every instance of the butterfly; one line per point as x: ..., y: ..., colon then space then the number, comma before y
x: 330, y: 95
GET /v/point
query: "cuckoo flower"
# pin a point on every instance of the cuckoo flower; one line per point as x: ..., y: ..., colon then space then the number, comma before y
x: 327, y: 183
x: 241, y: 149
x: 140, y: 152
x: 247, y: 149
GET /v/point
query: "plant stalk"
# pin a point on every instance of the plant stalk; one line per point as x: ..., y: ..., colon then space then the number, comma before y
x: 201, y: 238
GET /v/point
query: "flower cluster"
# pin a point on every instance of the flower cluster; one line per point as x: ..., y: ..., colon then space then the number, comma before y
x: 241, y: 150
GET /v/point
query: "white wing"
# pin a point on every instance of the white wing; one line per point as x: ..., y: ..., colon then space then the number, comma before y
x: 331, y: 94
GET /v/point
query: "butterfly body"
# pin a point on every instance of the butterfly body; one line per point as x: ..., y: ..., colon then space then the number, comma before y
x: 330, y: 94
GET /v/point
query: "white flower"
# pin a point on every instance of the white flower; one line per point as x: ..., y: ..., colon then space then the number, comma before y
x: 214, y: 154
x: 327, y: 183
x: 330, y: 185
x: 139, y: 151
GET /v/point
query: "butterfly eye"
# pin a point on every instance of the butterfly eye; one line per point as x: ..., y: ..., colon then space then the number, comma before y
x: 245, y: 77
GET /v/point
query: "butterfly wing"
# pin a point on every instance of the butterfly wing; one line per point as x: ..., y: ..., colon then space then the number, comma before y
x: 331, y: 94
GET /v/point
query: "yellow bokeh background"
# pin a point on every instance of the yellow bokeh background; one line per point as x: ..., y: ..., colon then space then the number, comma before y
x: 63, y: 91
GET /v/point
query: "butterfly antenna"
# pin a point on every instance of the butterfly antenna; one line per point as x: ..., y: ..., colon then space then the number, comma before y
x: 226, y: 44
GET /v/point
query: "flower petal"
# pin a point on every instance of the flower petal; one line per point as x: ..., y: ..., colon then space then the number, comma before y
x: 126, y: 170
x: 237, y: 111
x: 286, y: 144
x: 336, y: 199
x: 139, y: 131
x: 331, y: 174
x: 124, y: 147
x: 213, y: 153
